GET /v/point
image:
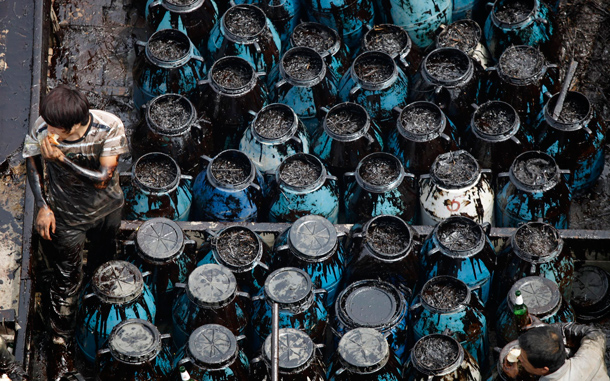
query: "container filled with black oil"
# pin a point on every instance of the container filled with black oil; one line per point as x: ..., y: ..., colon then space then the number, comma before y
x: 422, y: 133
x: 275, y: 133
x: 395, y: 41
x: 327, y: 42
x: 230, y: 188
x: 465, y: 35
x: 590, y: 297
x: 536, y: 189
x: 439, y: 357
x: 231, y: 94
x: 346, y: 136
x: 170, y: 125
x: 303, y: 186
x: 157, y: 188
x: 243, y: 252
x: 461, y: 248
x: 496, y: 136
x: 384, y: 248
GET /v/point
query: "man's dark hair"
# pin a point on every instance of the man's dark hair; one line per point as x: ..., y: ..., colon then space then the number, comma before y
x: 64, y: 107
x: 544, y: 347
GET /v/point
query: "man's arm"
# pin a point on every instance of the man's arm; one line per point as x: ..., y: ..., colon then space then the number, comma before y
x: 45, y: 219
x: 101, y: 178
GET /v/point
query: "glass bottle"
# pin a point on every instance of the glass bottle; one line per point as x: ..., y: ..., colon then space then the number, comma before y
x: 520, y: 312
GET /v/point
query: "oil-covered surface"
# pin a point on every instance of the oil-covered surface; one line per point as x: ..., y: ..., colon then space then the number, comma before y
x: 212, y: 344
x: 302, y: 66
x: 363, y: 348
x: 512, y: 12
x: 232, y: 77
x: 272, y: 123
x: 346, y: 121
x: 211, y: 284
x: 232, y: 170
x: 459, y: 35
x: 244, y: 21
x: 167, y: 49
x: 379, y: 170
x: 313, y: 36
x: 536, y: 240
x: 455, y: 168
x: 495, y: 120
x: 170, y: 113
x: 390, y: 41
x: 436, y: 352
x: 287, y: 286
x: 535, y: 171
x: 444, y: 295
x: 521, y: 62
x: 388, y: 236
x: 156, y: 172
x: 459, y: 235
x: 373, y: 69
x: 421, y: 120
x: 446, y: 66
x: 133, y: 339
x: 300, y: 172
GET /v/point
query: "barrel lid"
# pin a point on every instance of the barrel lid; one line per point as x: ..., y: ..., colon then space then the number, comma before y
x: 211, y: 286
x: 534, y: 171
x: 117, y: 282
x: 445, y: 293
x: 134, y: 341
x: 312, y: 237
x: 540, y: 295
x: 459, y: 236
x: 288, y: 286
x: 212, y: 345
x: 537, y: 242
x: 388, y: 237
x: 238, y: 248
x: 455, y: 169
x: 590, y: 293
x: 370, y: 303
x: 296, y: 348
x: 159, y: 239
x: 437, y: 354
x: 363, y: 350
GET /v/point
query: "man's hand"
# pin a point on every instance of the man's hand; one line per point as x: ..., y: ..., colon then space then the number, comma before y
x: 511, y: 369
x: 50, y: 152
x: 45, y: 222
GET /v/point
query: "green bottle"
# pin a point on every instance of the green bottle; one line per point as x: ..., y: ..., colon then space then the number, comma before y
x: 520, y: 312
x: 184, y: 375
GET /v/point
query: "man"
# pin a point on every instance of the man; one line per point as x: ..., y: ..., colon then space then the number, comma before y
x: 80, y: 149
x: 543, y: 353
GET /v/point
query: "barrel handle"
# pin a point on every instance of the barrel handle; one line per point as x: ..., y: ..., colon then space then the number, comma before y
x: 261, y: 264
x: 541, y: 20
x: 548, y: 95
x: 403, y: 60
x: 533, y: 269
x: 257, y: 47
x: 243, y: 294
x: 335, y: 332
x: 257, y: 298
x: 183, y: 361
x: 240, y: 338
x: 566, y: 173
x: 128, y: 245
x: 166, y: 336
x: 397, y: 110
x: 260, y: 74
x: 340, y: 371
x: 516, y: 140
x: 140, y: 46
x: 486, y: 227
x: 146, y: 274
x: 203, y: 82
x: 180, y: 285
x: 322, y: 292
x: 298, y: 141
x: 489, y: 5
x: 232, y: 3
x: 280, y: 83
x: 549, y: 66
x: 433, y: 251
x: 412, y: 179
x: 354, y: 91
x: 474, y: 106
x: 256, y: 360
x: 324, y: 109
x: 491, y: 68
x: 282, y: 248
x: 588, y: 130
x: 487, y: 173
x: 255, y: 186
x: 445, y: 137
x: 331, y: 177
x: 204, y: 160
x: 187, y: 178
x: 368, y: 27
x: 155, y: 4
x: 190, y: 243
x: 319, y: 346
x: 88, y: 296
x: 198, y: 58
x: 349, y: 176
x: 370, y: 139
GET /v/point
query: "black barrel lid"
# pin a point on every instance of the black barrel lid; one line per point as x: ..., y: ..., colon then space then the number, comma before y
x: 296, y: 349
x: 590, y: 293
x: 370, y: 303
x: 459, y: 237
x: 540, y: 295
x: 288, y: 287
x: 159, y: 240
x: 211, y: 286
x: 312, y: 238
x: 212, y: 346
x: 437, y: 354
x: 445, y: 293
x: 117, y: 282
x: 455, y: 169
x: 134, y: 341
x: 363, y: 350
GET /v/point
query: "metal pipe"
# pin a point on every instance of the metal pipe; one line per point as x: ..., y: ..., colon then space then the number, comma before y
x: 275, y: 343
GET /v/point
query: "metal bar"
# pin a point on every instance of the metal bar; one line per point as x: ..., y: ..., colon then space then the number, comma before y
x: 564, y: 90
x: 275, y: 343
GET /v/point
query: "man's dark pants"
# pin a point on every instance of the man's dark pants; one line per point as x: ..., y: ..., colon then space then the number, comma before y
x: 66, y: 262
